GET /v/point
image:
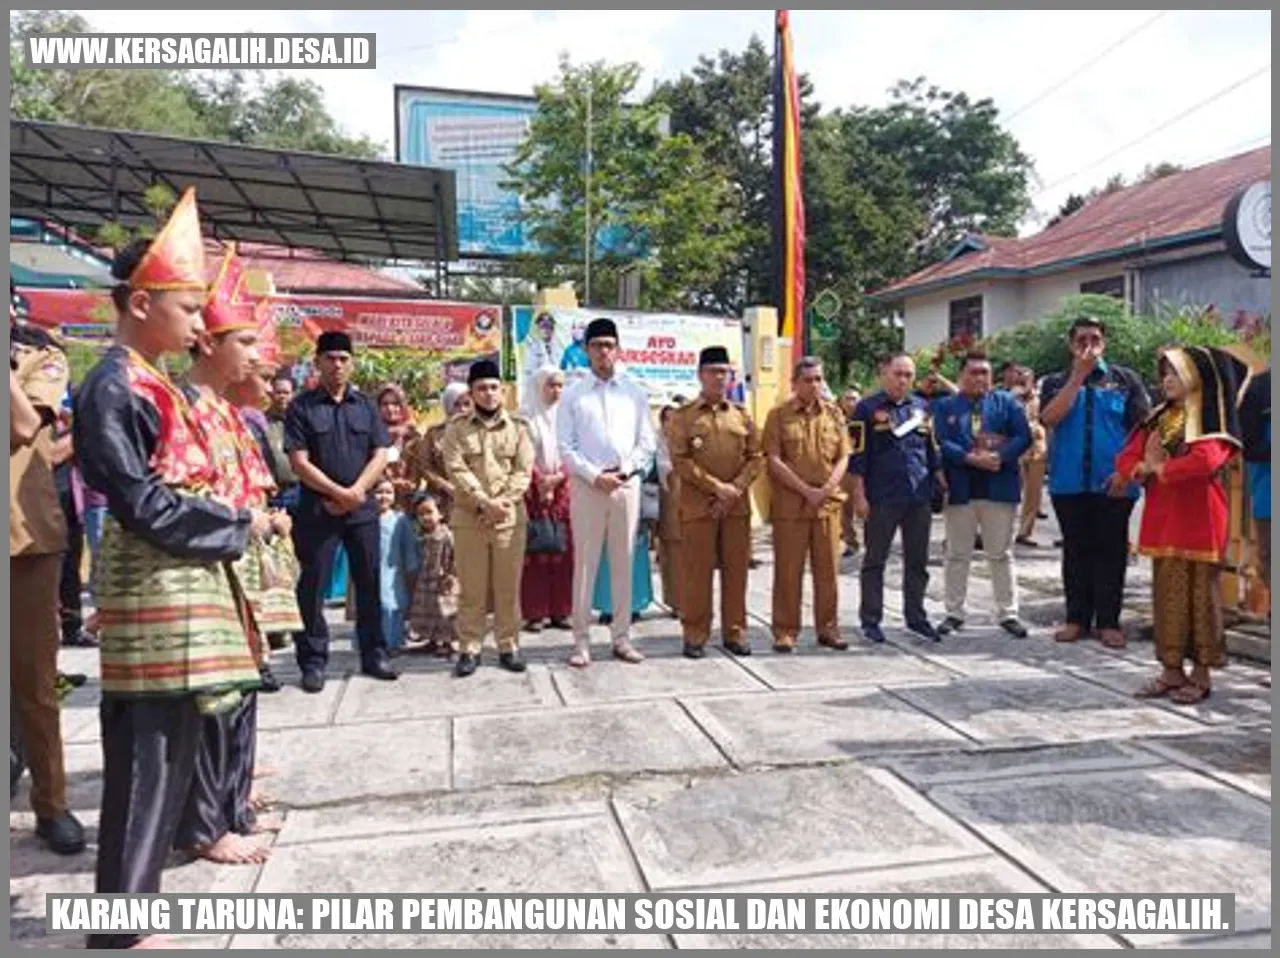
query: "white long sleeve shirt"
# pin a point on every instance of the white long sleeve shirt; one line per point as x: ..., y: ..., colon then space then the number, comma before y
x: 605, y: 424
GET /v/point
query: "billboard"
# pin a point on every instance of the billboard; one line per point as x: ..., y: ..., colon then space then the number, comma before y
x: 421, y: 344
x: 475, y: 135
x: 658, y: 350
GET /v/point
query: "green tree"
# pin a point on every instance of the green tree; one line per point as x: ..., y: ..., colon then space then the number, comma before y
x: 656, y: 205
x: 967, y: 174
x: 725, y: 104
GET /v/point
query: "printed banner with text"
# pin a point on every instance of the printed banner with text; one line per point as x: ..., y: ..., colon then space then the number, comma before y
x: 658, y: 350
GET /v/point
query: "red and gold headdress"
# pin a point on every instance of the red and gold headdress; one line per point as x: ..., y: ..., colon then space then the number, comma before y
x: 268, y: 336
x: 229, y: 307
x: 175, y: 258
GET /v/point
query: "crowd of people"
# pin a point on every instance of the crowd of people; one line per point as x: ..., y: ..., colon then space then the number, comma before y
x: 218, y: 504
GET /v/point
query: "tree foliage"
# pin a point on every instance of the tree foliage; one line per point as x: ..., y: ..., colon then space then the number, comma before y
x: 655, y: 204
x: 247, y: 107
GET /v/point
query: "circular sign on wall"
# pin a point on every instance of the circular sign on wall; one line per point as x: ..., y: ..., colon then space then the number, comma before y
x: 1246, y: 226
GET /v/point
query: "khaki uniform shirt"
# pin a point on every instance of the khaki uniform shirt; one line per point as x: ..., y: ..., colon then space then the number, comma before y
x: 488, y: 461
x: 714, y: 444
x: 811, y: 441
x: 36, y: 523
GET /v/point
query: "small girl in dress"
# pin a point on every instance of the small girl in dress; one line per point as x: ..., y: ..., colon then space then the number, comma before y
x: 435, y: 593
x: 399, y: 560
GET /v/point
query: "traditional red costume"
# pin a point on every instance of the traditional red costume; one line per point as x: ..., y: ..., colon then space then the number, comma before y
x: 1185, y: 516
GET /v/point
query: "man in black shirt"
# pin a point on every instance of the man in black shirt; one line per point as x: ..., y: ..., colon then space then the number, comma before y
x: 337, y: 446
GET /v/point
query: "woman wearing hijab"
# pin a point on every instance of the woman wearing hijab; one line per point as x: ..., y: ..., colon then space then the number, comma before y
x: 1178, y: 454
x: 546, y: 587
x: 424, y: 463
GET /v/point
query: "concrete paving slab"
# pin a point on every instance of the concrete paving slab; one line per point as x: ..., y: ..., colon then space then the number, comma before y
x: 1037, y: 711
x: 762, y: 826
x: 927, y: 771
x: 1159, y: 829
x: 35, y: 873
x: 603, y: 740
x: 988, y: 875
x: 566, y: 856
x: 336, y: 764
x: 293, y: 708
x: 427, y: 688
x: 1233, y: 702
x: 812, y: 666
x: 1237, y: 757
x: 795, y: 728
x: 377, y: 818
x: 662, y: 676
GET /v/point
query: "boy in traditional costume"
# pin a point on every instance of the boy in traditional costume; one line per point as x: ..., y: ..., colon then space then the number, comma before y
x: 174, y: 646
x: 1179, y: 454
x: 219, y: 809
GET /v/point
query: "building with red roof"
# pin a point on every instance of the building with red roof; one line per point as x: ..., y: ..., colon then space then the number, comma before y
x: 1160, y: 241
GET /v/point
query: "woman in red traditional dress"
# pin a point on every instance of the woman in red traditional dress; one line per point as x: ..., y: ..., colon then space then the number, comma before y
x: 546, y: 586
x: 1179, y: 455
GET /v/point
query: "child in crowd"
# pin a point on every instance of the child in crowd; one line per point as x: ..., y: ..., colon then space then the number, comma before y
x: 399, y: 558
x: 435, y: 593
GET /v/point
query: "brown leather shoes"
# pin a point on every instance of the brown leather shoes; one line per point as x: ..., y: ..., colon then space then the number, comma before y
x: 833, y: 642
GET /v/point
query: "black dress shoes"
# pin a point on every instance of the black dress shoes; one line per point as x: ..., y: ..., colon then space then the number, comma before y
x: 63, y: 835
x: 693, y: 651
x: 380, y: 669
x: 466, y: 665
x: 511, y: 662
x: 313, y: 681
x: 268, y: 680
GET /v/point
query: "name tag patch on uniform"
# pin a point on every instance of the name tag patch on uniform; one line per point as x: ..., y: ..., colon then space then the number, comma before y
x: 858, y: 436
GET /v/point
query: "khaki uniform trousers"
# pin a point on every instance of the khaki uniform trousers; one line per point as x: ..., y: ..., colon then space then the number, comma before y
x: 489, y: 566
x: 794, y: 540
x: 33, y: 676
x: 709, y: 544
x: 669, y: 563
x: 1032, y: 495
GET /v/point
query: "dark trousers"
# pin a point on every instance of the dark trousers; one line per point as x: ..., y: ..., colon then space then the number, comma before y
x: 70, y: 586
x: 1095, y: 556
x: 316, y: 539
x: 218, y: 801
x: 883, y: 522
x: 149, y: 751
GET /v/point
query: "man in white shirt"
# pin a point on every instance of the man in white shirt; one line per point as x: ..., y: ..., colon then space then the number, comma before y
x: 606, y: 439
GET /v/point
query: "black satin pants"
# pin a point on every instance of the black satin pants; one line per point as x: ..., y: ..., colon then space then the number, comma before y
x: 218, y: 801
x: 149, y: 748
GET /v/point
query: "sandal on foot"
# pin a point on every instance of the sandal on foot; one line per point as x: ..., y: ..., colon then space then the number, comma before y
x: 580, y: 659
x: 1190, y: 694
x: 1158, y: 688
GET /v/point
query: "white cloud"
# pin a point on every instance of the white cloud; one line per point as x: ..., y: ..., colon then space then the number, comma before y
x: 852, y: 57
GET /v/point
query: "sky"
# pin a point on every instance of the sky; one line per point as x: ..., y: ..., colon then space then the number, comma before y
x: 1079, y: 121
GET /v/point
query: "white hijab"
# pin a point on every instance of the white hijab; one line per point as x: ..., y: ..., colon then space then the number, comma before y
x: 542, y: 421
x: 449, y: 398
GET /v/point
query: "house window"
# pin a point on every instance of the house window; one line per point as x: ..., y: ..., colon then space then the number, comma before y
x: 965, y: 318
x: 1111, y: 286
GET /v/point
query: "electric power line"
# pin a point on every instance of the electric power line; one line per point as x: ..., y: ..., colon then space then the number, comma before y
x: 1158, y: 128
x: 1055, y: 87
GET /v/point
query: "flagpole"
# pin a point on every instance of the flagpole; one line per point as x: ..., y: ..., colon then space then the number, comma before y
x: 586, y: 228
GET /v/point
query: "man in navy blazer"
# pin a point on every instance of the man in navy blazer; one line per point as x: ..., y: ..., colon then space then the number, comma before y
x: 982, y: 433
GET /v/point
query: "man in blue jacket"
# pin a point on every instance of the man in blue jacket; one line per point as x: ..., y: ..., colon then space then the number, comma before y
x: 1089, y: 412
x: 982, y: 433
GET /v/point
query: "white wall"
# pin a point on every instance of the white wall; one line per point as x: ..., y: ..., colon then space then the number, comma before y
x: 926, y: 318
x: 1044, y: 294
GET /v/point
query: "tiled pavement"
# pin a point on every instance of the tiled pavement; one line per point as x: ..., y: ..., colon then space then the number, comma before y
x: 980, y: 764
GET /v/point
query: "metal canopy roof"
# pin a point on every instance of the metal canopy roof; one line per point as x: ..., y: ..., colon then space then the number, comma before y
x: 346, y: 208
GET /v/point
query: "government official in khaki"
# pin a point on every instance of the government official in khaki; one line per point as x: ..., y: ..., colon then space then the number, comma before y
x: 715, y: 450
x: 37, y: 539
x: 488, y: 455
x: 807, y: 444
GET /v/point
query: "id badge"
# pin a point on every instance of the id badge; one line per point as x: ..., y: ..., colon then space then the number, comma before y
x: 914, y: 422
